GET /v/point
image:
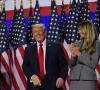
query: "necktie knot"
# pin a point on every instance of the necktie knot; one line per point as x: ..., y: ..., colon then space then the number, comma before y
x: 40, y: 44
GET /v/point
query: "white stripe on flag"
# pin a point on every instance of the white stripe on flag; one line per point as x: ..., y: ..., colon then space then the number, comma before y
x: 5, y: 56
x: 66, y: 84
x: 67, y: 48
x: 19, y: 57
x: 24, y: 46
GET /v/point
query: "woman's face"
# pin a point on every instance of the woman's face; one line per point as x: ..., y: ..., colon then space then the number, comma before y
x: 82, y: 33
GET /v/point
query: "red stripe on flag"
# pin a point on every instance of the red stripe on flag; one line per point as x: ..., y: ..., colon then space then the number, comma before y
x: 64, y: 87
x: 98, y: 68
x: 66, y: 55
x: 97, y: 85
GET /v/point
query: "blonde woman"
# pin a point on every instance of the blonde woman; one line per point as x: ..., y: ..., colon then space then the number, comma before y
x: 85, y: 57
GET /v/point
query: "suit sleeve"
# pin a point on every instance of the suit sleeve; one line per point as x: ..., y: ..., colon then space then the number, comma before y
x: 90, y: 60
x: 72, y: 62
x: 63, y: 64
x: 26, y: 66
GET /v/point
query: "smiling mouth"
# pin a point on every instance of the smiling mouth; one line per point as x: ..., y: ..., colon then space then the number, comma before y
x: 39, y: 36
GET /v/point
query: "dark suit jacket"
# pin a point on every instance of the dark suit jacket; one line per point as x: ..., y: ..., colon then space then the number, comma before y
x: 56, y: 64
x: 83, y: 68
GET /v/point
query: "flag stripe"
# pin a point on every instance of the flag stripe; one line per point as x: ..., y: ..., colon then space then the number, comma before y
x: 21, y: 51
x: 19, y: 69
x: 19, y: 84
x: 14, y: 82
x: 97, y: 85
x: 67, y: 86
x: 98, y: 69
x: 19, y: 57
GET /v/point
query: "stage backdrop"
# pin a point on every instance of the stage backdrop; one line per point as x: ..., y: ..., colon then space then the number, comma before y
x: 45, y: 10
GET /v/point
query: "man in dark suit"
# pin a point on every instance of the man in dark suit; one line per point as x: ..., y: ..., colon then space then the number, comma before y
x: 45, y: 65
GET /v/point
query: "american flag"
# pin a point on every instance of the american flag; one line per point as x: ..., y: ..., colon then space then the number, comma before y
x: 72, y: 25
x: 13, y: 26
x: 18, y: 44
x: 5, y: 82
x: 97, y: 25
x: 53, y: 31
x: 63, y: 23
x: 11, y: 44
x: 30, y: 23
x: 36, y: 18
x: 33, y: 20
x: 85, y: 11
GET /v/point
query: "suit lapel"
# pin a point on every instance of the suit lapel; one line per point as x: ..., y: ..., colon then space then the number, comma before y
x: 48, y: 47
x: 35, y: 57
x: 81, y: 46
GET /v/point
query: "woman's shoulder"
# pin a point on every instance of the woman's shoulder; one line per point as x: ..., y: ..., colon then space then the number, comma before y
x: 97, y: 43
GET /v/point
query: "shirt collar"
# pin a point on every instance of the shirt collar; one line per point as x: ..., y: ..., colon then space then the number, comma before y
x: 44, y: 43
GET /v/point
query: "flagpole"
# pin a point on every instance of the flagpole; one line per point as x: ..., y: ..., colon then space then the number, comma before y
x: 63, y: 1
x: 54, y: 0
x: 30, y: 1
x: 2, y: 5
x: 69, y: 5
x: 14, y: 3
x: 21, y: 4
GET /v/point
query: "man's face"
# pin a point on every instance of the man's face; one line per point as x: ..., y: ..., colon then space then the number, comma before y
x: 39, y: 34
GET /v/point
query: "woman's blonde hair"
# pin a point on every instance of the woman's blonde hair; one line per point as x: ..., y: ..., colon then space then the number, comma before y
x: 91, y: 35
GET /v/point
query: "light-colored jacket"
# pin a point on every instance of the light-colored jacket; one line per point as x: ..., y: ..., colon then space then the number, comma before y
x: 83, y: 68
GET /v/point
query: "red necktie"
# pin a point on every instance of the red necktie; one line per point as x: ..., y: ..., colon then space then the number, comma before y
x: 41, y: 61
